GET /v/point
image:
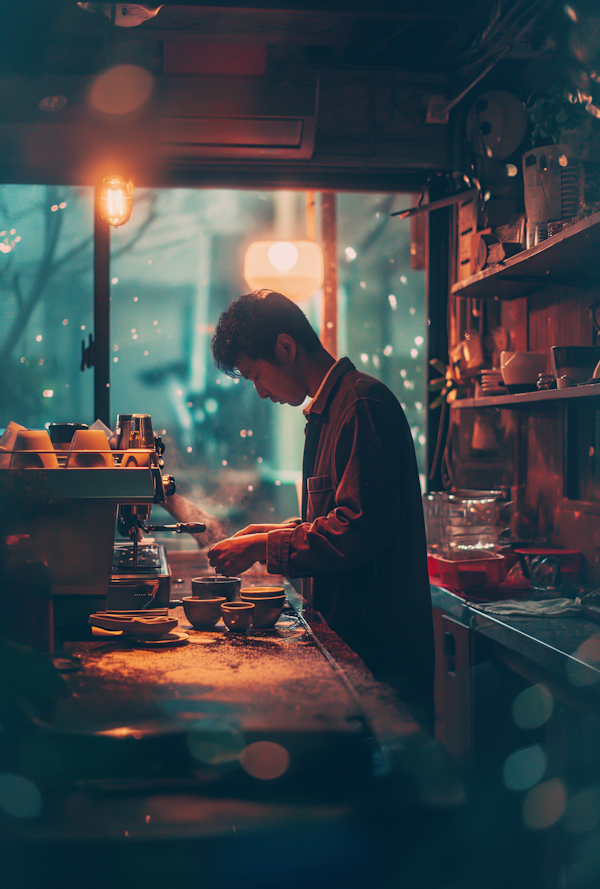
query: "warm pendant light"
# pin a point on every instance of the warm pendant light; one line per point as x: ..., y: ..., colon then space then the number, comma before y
x: 294, y: 268
x: 116, y: 200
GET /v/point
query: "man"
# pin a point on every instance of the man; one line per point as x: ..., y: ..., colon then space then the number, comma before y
x: 361, y: 537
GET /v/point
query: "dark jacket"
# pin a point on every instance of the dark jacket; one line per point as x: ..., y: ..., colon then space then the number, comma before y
x: 363, y: 539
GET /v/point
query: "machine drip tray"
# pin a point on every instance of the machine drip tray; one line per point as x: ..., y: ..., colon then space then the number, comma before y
x: 131, y: 587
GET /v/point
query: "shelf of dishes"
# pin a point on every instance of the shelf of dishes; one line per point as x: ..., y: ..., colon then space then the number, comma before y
x: 568, y: 257
x: 521, y: 378
x: 522, y: 399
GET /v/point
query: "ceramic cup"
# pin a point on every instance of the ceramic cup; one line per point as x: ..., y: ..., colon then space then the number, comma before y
x: 61, y: 434
x: 7, y: 442
x: 39, y: 453
x: 266, y: 610
x: 237, y: 616
x: 203, y: 612
x: 578, y: 362
x: 522, y: 368
x: 262, y: 592
x: 90, y: 449
x: 135, y: 457
x: 210, y: 587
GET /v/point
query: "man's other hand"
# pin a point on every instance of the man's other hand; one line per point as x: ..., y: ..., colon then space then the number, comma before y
x: 262, y: 529
x: 236, y: 554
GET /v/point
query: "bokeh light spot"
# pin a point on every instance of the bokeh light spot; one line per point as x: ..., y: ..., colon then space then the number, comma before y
x: 533, y: 707
x: 583, y: 811
x: 215, y: 743
x: 265, y: 760
x: 588, y: 652
x: 544, y: 805
x: 524, y: 768
x: 19, y: 797
x: 121, y: 89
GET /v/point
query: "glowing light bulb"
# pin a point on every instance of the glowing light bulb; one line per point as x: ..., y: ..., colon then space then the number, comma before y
x: 116, y: 201
x: 283, y: 255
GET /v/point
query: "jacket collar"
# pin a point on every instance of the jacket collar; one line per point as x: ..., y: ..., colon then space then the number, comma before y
x: 322, y: 398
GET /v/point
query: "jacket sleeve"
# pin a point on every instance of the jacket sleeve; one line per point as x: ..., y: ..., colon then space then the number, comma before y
x: 373, y: 445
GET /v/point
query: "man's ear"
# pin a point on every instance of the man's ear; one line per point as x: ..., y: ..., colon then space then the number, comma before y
x: 285, y: 348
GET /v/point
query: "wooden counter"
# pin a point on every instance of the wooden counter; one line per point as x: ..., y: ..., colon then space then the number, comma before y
x: 280, y: 732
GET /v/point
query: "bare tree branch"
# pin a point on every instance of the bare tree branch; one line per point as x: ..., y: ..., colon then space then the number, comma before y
x: 16, y: 286
x: 44, y: 272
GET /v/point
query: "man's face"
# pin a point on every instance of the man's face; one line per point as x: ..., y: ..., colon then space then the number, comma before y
x: 279, y: 382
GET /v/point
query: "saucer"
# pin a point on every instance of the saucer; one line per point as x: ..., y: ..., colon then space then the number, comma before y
x: 170, y: 640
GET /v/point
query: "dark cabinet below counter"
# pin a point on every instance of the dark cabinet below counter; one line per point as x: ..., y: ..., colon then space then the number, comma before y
x: 518, y: 707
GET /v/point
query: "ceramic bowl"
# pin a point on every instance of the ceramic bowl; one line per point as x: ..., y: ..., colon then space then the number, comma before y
x: 522, y: 368
x: 262, y: 592
x: 90, y: 449
x: 135, y: 457
x: 40, y: 453
x: 7, y: 442
x: 210, y: 587
x: 577, y: 362
x: 203, y: 612
x: 266, y: 610
x: 237, y: 616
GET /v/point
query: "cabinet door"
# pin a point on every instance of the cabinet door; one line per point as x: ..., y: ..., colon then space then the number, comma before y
x: 453, y: 697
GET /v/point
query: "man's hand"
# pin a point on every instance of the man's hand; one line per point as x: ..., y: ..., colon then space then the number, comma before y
x: 263, y: 529
x: 236, y: 554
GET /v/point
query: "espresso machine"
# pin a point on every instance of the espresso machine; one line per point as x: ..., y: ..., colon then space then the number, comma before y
x: 141, y: 577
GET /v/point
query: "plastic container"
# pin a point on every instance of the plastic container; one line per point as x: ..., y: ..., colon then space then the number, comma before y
x: 467, y: 574
x: 462, y: 524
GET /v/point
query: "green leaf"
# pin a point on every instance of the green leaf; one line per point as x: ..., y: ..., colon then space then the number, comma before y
x: 438, y: 365
x: 436, y: 385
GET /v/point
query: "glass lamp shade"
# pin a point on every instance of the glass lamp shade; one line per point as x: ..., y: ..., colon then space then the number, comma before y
x: 116, y: 200
x: 294, y: 268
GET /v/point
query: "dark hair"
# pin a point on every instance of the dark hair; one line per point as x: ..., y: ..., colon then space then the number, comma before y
x: 250, y: 326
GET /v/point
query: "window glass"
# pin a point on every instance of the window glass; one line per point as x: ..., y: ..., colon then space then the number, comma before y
x: 46, y: 304
x: 382, y: 314
x: 177, y: 265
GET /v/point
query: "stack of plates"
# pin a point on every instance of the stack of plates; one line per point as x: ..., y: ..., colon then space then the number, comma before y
x: 151, y: 626
x: 492, y: 382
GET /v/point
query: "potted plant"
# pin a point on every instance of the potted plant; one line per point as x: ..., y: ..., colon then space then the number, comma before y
x: 560, y: 171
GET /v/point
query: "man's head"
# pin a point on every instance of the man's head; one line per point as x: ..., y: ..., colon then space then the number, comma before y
x: 263, y: 336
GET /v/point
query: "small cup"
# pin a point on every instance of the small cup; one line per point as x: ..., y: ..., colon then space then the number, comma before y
x: 266, y: 610
x: 39, y: 451
x: 522, y: 368
x: 211, y: 587
x: 61, y: 434
x: 89, y: 449
x: 203, y: 612
x: 7, y: 442
x: 135, y: 457
x: 262, y: 592
x: 237, y: 616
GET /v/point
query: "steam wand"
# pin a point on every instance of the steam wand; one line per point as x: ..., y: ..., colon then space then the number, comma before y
x: 187, y: 527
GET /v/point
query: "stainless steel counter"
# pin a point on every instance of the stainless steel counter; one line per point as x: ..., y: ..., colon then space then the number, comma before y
x: 568, y: 647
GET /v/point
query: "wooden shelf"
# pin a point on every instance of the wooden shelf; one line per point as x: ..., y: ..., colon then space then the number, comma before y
x: 571, y: 258
x: 526, y: 399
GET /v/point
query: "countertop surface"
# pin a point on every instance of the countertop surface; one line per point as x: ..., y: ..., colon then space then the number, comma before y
x: 569, y: 646
x: 170, y: 743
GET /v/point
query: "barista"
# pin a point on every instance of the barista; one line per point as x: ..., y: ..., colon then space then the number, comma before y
x: 361, y: 537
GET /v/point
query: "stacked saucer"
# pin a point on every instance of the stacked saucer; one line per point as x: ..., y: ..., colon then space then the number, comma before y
x: 492, y: 382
